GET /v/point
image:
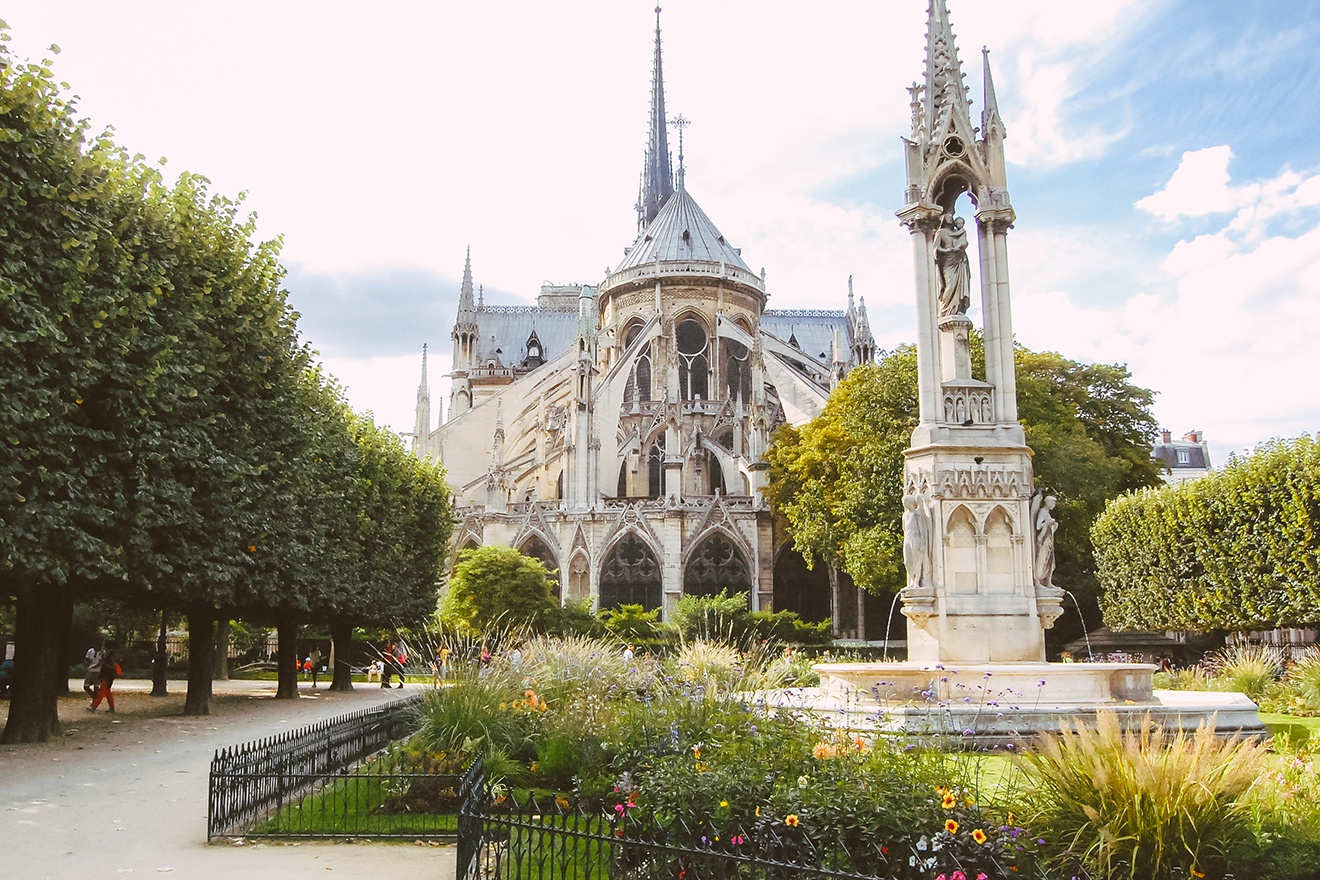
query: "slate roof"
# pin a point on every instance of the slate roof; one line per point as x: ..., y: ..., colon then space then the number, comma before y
x: 681, y: 232
x: 1168, y: 454
x: 507, y: 328
x: 812, y: 329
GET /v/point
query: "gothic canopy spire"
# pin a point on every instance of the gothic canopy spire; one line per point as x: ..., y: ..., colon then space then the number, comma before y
x: 657, y: 175
x: 944, y: 89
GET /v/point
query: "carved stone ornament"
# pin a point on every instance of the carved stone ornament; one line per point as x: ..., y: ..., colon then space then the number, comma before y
x: 981, y: 481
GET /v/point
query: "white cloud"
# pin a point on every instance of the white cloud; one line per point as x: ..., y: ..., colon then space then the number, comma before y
x: 1199, y: 186
x: 1223, y: 333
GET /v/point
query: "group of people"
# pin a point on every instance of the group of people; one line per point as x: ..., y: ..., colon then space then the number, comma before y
x: 98, y: 683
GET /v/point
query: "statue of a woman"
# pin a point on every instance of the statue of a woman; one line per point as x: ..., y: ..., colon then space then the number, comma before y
x: 1044, y: 526
x: 955, y: 271
x: 917, y: 543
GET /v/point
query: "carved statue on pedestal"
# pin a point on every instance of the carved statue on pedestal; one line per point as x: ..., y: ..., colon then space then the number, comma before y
x: 955, y: 272
x: 917, y: 544
x: 1044, y: 525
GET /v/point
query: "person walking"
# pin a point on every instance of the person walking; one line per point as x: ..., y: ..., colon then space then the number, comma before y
x: 315, y: 657
x: 387, y: 664
x: 109, y: 672
x: 399, y: 657
x: 93, y: 677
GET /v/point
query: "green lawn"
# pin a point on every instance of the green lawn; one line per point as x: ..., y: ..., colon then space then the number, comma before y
x: 1297, y: 730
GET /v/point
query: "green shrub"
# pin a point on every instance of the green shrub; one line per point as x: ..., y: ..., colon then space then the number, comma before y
x: 1141, y: 804
x: 632, y: 623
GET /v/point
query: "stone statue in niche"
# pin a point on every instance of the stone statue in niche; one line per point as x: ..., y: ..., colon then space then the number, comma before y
x: 918, y: 542
x: 955, y: 270
x: 1044, y: 525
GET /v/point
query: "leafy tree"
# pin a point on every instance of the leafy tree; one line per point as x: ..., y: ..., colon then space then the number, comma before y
x: 58, y: 215
x: 1236, y: 549
x: 496, y: 587
x: 400, y: 537
x: 837, y: 482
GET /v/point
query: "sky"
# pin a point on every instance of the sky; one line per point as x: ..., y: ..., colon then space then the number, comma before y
x: 1164, y: 164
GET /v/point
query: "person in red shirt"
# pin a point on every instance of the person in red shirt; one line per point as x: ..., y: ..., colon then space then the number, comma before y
x: 110, y: 670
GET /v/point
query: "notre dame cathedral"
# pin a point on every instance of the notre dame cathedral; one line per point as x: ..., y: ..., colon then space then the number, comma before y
x: 616, y: 431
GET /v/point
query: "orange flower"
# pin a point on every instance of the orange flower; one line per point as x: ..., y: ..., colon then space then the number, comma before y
x: 951, y: 826
x: 978, y: 835
x: 791, y: 820
x: 949, y: 801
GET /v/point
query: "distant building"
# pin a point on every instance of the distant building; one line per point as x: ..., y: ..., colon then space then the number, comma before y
x: 1184, y: 459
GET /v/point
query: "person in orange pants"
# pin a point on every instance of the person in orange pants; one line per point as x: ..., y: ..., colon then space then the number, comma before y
x: 109, y: 672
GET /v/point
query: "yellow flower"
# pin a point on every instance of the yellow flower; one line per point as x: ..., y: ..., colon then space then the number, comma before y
x: 949, y: 801
x: 561, y: 802
x: 724, y: 803
x: 696, y: 751
x: 535, y: 766
x: 791, y: 820
x: 758, y: 811
x: 978, y: 835
x: 951, y: 826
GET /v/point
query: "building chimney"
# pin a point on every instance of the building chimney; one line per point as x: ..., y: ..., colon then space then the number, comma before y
x: 1192, y: 436
x: 1166, y: 437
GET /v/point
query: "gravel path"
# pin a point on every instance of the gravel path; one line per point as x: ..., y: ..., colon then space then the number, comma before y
x: 125, y: 794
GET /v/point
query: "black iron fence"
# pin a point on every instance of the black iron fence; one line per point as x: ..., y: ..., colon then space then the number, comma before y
x: 501, y: 835
x: 557, y: 838
x: 272, y: 785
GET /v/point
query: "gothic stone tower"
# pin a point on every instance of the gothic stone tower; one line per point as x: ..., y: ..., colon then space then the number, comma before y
x: 978, y: 541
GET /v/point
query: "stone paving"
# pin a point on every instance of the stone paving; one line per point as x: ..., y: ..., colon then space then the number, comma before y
x: 125, y: 794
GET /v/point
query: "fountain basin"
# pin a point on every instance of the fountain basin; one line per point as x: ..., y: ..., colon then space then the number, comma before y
x: 991, y: 704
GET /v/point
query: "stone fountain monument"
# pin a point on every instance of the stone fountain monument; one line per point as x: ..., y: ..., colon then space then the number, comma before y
x: 978, y: 534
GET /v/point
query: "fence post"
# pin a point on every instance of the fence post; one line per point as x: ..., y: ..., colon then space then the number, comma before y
x: 471, y: 803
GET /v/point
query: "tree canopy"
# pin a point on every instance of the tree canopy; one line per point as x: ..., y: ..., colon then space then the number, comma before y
x: 837, y: 481
x: 1236, y: 549
x: 165, y: 437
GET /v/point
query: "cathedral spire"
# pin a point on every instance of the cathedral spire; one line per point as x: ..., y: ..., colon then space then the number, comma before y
x: 945, y: 93
x: 657, y: 175
x: 422, y: 424
x: 465, y: 301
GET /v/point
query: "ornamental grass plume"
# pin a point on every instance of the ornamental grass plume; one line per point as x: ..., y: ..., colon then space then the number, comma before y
x: 1140, y: 804
x: 1249, y: 669
x: 1303, y: 679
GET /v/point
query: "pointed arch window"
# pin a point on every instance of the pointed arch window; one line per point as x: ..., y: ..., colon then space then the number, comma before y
x: 692, y: 343
x: 638, y: 389
x: 737, y: 371
x: 655, y: 469
x: 631, y: 575
x: 716, y: 565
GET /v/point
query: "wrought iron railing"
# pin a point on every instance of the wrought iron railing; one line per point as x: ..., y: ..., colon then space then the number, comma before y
x: 253, y: 782
x: 545, y: 837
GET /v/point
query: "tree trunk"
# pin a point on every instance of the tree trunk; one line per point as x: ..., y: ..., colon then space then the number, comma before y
x: 159, y: 686
x: 201, y: 634
x: 65, y: 622
x: 836, y: 612
x: 221, y: 671
x: 861, y: 613
x: 341, y: 636
x: 287, y: 663
x: 33, y: 705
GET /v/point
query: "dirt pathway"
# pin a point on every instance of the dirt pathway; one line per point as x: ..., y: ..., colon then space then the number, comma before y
x: 125, y: 794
